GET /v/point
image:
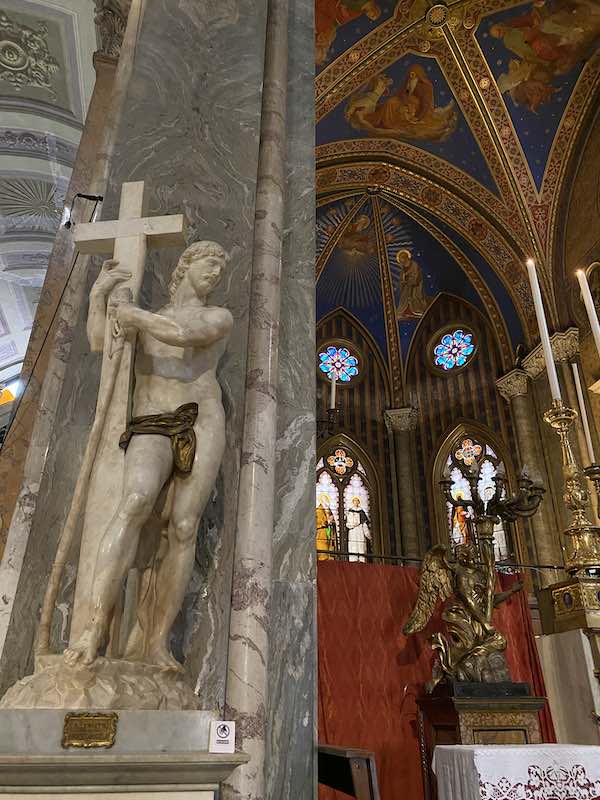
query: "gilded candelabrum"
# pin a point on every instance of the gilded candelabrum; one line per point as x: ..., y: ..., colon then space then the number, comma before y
x: 582, y: 538
x: 474, y: 649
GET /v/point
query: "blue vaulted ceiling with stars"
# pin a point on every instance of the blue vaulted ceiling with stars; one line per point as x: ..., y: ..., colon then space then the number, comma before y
x: 443, y: 137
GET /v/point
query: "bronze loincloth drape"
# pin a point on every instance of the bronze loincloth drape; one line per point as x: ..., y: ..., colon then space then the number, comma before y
x: 179, y: 426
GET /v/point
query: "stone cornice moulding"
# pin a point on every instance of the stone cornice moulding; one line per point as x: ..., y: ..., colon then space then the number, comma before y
x: 513, y: 384
x: 401, y: 419
x: 565, y: 346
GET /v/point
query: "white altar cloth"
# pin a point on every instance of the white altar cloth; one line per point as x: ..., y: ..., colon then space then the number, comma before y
x: 526, y: 772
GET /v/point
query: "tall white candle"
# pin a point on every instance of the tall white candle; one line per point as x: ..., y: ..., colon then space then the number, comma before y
x: 589, y: 306
x: 544, y: 335
x: 332, y: 393
x: 583, y: 413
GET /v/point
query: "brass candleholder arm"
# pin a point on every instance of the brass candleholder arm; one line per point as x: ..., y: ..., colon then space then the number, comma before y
x: 592, y: 473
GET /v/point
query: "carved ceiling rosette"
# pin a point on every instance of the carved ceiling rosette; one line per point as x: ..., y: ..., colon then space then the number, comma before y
x: 111, y: 21
x: 25, y: 59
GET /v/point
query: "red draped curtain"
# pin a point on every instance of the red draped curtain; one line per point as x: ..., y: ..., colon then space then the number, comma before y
x: 370, y: 673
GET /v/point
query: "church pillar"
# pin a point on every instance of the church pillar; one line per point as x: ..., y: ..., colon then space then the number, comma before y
x: 513, y: 387
x: 402, y: 422
x: 24, y: 455
x: 247, y: 665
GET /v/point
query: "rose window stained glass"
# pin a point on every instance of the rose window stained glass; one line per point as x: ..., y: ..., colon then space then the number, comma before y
x: 340, y: 461
x: 454, y: 350
x: 468, y: 452
x: 338, y: 364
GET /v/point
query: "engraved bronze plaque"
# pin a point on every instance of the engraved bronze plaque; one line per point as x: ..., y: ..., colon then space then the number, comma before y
x: 90, y: 729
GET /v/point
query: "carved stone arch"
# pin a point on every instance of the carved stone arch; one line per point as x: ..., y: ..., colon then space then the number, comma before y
x: 466, y: 428
x: 354, y: 322
x: 363, y: 407
x: 483, y: 232
x: 577, y: 218
x: 480, y: 321
x: 447, y: 398
x: 372, y: 478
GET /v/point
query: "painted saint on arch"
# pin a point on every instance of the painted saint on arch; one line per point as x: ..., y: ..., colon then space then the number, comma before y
x: 413, y: 300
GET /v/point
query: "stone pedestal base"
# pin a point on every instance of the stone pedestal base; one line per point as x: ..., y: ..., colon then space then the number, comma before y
x: 148, y: 776
x: 106, y: 684
x: 475, y: 713
x: 156, y: 753
x: 572, y: 684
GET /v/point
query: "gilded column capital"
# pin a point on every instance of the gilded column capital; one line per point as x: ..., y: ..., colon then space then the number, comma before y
x: 401, y: 419
x: 513, y: 384
x: 111, y: 20
x: 565, y: 345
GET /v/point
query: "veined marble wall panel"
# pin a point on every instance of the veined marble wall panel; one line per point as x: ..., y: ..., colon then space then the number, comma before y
x: 190, y: 130
x: 292, y: 659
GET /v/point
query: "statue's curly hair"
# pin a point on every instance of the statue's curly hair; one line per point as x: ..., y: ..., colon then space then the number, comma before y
x: 199, y: 250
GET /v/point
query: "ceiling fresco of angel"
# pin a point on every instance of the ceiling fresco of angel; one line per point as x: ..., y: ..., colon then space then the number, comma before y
x: 410, y: 101
x: 341, y: 23
x: 536, y: 52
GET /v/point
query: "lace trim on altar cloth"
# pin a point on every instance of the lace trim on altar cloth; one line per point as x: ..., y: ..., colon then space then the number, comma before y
x: 545, y: 783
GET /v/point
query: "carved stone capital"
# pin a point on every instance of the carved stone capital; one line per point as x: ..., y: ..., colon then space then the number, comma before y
x: 111, y: 20
x: 513, y: 384
x: 565, y: 345
x: 401, y: 419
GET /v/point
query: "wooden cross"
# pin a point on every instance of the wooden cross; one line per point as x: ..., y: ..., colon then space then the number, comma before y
x: 126, y: 239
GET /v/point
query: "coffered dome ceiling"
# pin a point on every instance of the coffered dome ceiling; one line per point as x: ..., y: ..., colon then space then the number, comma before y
x: 447, y: 132
x: 46, y: 80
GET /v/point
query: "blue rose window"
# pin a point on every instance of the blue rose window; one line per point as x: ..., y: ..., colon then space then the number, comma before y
x: 338, y: 364
x: 454, y: 350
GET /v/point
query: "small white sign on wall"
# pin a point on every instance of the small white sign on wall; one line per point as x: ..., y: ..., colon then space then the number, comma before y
x: 222, y: 737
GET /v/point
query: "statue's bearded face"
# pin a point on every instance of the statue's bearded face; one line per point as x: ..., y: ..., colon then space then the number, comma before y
x: 202, y: 264
x: 205, y: 273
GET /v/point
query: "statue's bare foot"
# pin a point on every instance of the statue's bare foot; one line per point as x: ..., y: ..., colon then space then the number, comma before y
x: 84, y: 651
x: 161, y: 657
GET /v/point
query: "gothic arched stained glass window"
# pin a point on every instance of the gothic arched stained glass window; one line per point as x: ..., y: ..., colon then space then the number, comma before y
x: 471, y: 453
x: 453, y: 348
x: 344, y: 503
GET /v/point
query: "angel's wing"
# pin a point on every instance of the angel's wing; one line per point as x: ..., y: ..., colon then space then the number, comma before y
x: 435, y: 584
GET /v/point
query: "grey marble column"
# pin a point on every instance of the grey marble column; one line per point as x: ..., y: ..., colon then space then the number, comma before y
x: 291, y: 711
x: 402, y: 422
x: 247, y: 665
x: 545, y: 548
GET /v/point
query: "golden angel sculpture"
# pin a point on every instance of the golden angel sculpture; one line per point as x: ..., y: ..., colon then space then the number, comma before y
x: 474, y: 649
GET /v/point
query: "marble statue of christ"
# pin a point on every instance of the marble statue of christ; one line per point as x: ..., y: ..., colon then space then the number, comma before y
x: 173, y: 449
